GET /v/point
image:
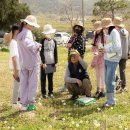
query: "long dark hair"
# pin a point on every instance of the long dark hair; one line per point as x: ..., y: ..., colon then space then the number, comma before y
x: 96, y: 37
x: 14, y: 28
x: 110, y: 29
x: 21, y: 26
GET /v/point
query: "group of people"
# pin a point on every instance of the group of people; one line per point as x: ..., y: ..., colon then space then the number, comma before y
x: 110, y: 48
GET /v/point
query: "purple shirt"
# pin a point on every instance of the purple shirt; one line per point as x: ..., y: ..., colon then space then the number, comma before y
x: 28, y: 49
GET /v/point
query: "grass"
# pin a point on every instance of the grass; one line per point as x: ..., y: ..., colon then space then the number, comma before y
x: 60, y: 113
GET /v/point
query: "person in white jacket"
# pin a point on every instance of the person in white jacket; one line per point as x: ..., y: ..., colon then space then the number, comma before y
x: 112, y: 54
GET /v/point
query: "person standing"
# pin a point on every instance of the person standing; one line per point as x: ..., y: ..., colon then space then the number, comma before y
x: 14, y: 65
x: 98, y: 60
x: 112, y: 54
x: 125, y: 42
x: 49, y: 60
x: 28, y: 57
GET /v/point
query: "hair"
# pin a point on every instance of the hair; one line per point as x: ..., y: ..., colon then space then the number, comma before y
x: 14, y: 28
x: 101, y: 33
x: 110, y: 29
x: 22, y: 26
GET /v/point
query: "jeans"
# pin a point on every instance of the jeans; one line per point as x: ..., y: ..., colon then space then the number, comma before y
x: 110, y: 75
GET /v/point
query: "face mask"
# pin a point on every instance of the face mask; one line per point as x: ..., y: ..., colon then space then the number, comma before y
x: 78, y: 31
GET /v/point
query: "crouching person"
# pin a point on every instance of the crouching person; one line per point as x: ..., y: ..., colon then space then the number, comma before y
x: 76, y: 76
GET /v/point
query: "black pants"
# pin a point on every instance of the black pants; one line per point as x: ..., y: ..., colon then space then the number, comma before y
x: 43, y: 82
x: 122, y: 67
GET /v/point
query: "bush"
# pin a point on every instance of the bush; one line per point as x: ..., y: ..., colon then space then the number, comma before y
x: 38, y: 34
x: 4, y: 49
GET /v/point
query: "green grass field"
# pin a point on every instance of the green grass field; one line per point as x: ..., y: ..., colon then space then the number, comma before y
x: 59, y: 113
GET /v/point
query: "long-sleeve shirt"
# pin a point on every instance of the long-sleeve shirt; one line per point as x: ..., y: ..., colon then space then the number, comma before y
x: 113, y: 47
x: 28, y: 49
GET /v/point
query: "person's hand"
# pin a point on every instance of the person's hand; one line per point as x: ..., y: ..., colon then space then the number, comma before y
x: 55, y: 65
x: 69, y: 45
x: 44, y: 66
x: 101, y: 51
x: 79, y: 82
x: 16, y: 75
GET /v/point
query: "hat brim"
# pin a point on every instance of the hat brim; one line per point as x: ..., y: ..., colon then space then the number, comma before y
x: 32, y: 24
x: 121, y: 25
x: 49, y: 32
x: 98, y: 29
x: 108, y: 25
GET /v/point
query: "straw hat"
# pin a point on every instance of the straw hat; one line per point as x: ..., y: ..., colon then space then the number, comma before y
x: 48, y: 29
x: 97, y: 25
x: 79, y: 23
x: 7, y: 37
x: 106, y: 22
x: 118, y: 22
x: 31, y: 20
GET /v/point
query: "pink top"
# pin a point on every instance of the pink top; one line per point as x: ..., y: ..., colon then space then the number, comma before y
x: 99, y: 57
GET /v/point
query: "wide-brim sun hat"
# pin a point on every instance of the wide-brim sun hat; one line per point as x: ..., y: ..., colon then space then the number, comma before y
x: 31, y: 20
x: 48, y: 29
x: 118, y: 22
x: 80, y: 24
x: 106, y: 22
x: 97, y: 26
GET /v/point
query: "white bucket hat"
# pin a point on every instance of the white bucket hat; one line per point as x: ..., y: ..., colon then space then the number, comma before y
x: 48, y: 29
x: 31, y: 20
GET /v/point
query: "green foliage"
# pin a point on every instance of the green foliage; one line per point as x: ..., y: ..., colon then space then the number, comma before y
x: 4, y: 49
x: 38, y: 34
x: 11, y: 12
x: 109, y: 7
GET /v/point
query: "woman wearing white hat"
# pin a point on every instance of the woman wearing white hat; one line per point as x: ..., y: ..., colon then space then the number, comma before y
x: 112, y: 54
x: 49, y: 60
x: 28, y: 55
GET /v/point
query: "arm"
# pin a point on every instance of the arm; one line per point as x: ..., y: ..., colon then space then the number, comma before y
x: 55, y: 53
x: 67, y: 77
x: 42, y: 52
x: 83, y: 63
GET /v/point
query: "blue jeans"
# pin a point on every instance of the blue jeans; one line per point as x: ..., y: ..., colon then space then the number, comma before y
x: 110, y: 75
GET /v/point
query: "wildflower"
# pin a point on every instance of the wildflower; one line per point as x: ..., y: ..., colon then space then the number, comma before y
x: 5, y: 122
x: 50, y: 126
x: 98, y: 109
x: 87, y: 122
x: 73, y: 122
x: 63, y: 119
x: 81, y: 122
x: 120, y: 127
x: 69, y: 114
x: 96, y: 123
x: 64, y: 103
x: 77, y: 125
x: 12, y: 128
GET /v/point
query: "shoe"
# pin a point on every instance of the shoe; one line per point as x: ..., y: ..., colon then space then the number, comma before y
x: 118, y: 84
x: 96, y: 94
x: 16, y: 106
x: 23, y: 108
x: 45, y: 96
x: 74, y: 97
x: 107, y: 105
x: 101, y: 95
x: 51, y: 95
x: 123, y: 90
x: 31, y: 107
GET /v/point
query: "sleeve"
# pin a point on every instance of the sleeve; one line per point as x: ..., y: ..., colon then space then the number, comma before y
x: 42, y: 52
x: 83, y: 63
x: 13, y: 48
x: 115, y: 44
x: 55, y: 53
x: 30, y: 44
x: 67, y: 77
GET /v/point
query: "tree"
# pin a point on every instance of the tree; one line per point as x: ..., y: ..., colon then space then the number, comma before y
x: 109, y: 7
x: 11, y: 12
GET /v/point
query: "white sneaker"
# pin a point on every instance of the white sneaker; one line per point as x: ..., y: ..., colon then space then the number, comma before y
x: 23, y: 108
x: 16, y: 106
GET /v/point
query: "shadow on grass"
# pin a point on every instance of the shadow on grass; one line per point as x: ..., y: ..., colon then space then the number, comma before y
x: 12, y: 115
